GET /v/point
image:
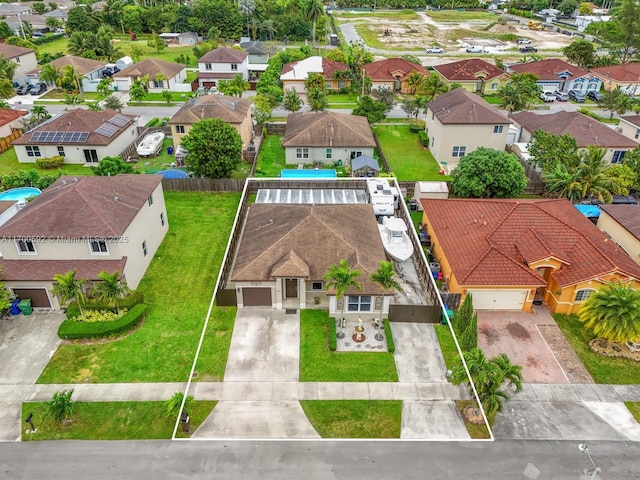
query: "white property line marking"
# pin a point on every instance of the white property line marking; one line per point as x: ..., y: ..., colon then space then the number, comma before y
x: 553, y: 354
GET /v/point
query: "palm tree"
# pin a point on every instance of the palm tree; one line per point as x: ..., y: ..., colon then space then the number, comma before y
x: 50, y: 74
x: 511, y: 98
x: 7, y: 68
x: 81, y: 43
x: 341, y: 277
x: 69, y: 288
x: 312, y: 10
x: 70, y: 78
x: 292, y: 101
x: 247, y: 7
x: 594, y: 176
x: 111, y: 289
x: 385, y: 277
x: 414, y: 81
x: 40, y: 112
x: 432, y: 86
x: 104, y: 85
x: 269, y: 27
x: 613, y: 313
x: 563, y: 182
x: 172, y: 405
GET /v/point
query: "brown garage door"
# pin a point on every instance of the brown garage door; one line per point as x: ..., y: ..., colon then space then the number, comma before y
x: 38, y: 296
x: 256, y: 297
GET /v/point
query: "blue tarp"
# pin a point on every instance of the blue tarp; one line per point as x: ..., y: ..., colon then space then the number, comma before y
x: 589, y: 211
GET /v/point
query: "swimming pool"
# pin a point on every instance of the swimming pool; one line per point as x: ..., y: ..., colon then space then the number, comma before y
x: 17, y: 194
x: 173, y: 173
x: 308, y: 173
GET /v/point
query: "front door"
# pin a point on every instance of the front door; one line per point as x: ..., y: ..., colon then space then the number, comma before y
x: 291, y: 288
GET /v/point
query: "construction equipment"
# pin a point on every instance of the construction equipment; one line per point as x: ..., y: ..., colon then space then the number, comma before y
x: 533, y: 25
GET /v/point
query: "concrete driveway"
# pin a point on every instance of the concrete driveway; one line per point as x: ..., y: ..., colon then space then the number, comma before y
x: 418, y: 355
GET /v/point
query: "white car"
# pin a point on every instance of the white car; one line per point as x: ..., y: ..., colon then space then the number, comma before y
x: 524, y: 41
x: 435, y: 50
x: 476, y: 49
x: 547, y: 96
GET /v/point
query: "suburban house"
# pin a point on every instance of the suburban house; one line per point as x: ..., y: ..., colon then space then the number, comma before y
x: 625, y: 76
x: 14, y: 9
x: 283, y: 265
x: 10, y: 120
x: 557, y: 75
x: 58, y: 13
x: 223, y: 63
x: 586, y: 130
x: 458, y: 122
x: 510, y: 253
x: 36, y: 22
x: 622, y: 224
x: 294, y: 74
x: 473, y: 75
x: 233, y: 110
x: 89, y: 70
x: 25, y: 58
x: 326, y: 137
x: 629, y: 126
x: 258, y: 57
x: 80, y: 136
x: 162, y: 75
x: 392, y: 73
x: 89, y: 224
x: 181, y: 38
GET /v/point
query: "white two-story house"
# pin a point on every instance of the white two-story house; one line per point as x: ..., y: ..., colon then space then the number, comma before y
x: 222, y: 64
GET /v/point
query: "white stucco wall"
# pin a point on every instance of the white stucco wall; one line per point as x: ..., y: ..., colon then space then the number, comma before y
x: 319, y: 154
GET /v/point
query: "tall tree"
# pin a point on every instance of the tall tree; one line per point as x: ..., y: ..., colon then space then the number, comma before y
x: 292, y: 101
x: 111, y: 289
x: 414, y: 82
x: 69, y: 288
x: 156, y: 42
x: 341, y: 277
x: 593, y: 175
x: 313, y: 10
x: 547, y: 149
x: 616, y: 101
x: 432, y: 86
x: 50, y: 74
x: 247, y: 7
x: 385, y: 277
x: 581, y: 52
x: 561, y: 181
x: 215, y: 148
x: 375, y: 111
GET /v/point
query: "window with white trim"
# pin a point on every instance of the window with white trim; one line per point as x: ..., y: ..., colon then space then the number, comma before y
x: 26, y: 247
x: 618, y: 156
x: 302, y: 153
x: 459, y: 152
x: 91, y: 156
x: 162, y: 218
x: 234, y: 67
x: 494, y: 86
x: 61, y: 151
x: 207, y: 66
x: 328, y: 153
x: 33, y: 151
x: 582, y: 295
x: 498, y: 128
x: 99, y: 247
x: 637, y: 135
x: 359, y: 303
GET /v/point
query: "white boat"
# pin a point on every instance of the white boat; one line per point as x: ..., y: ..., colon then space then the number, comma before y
x: 150, y: 145
x: 395, y: 239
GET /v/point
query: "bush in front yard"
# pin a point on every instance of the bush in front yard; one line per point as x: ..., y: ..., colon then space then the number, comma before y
x: 333, y: 342
x: 387, y: 332
x: 70, y: 329
x: 424, y: 138
x: 51, y: 162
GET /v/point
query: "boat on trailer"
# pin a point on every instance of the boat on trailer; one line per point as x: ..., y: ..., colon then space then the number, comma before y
x: 150, y: 145
x: 395, y: 239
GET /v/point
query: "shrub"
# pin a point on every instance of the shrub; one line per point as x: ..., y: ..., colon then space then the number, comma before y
x: 73, y: 311
x: 469, y: 339
x: 90, y: 316
x: 391, y: 346
x: 128, y: 302
x: 49, y: 163
x: 333, y: 342
x: 153, y: 122
x: 589, y: 113
x: 60, y: 407
x: 424, y: 138
x: 70, y: 329
x: 47, y: 38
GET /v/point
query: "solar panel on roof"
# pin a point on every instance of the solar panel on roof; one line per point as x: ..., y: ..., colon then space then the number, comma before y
x: 119, y: 120
x: 107, y: 130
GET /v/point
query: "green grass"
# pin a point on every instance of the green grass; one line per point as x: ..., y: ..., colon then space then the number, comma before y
x: 447, y: 345
x: 395, y: 15
x: 342, y: 100
x: 271, y: 158
x: 475, y: 431
x: 603, y: 369
x: 112, y: 421
x: 354, y: 418
x: 177, y: 289
x: 9, y: 164
x: 455, y: 16
x: 457, y: 34
x: 319, y: 364
x: 406, y: 157
x: 634, y: 408
x: 492, y: 99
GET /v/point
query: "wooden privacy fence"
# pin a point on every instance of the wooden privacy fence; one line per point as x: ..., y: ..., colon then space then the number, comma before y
x: 5, y: 143
x: 203, y: 184
x: 383, y: 159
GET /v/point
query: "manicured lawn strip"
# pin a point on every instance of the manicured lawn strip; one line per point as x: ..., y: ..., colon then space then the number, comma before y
x: 475, y: 431
x: 395, y: 15
x: 56, y: 94
x: 112, y: 421
x: 447, y: 345
x: 9, y: 164
x: 354, y: 418
x: 406, y: 157
x: 272, y: 158
x: 603, y: 369
x: 215, y: 346
x: 177, y: 289
x: 319, y: 364
x: 634, y: 408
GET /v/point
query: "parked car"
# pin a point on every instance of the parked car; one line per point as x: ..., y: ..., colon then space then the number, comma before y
x: 109, y: 71
x: 577, y: 96
x: 38, y: 89
x: 547, y: 96
x: 476, y: 49
x: 37, y: 34
x: 524, y: 41
x: 435, y: 50
x: 23, y: 89
x: 561, y: 96
x: 528, y: 49
x: 595, y: 96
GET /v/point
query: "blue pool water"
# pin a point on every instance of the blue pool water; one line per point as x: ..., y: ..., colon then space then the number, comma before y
x: 18, y: 194
x: 173, y: 173
x: 308, y: 173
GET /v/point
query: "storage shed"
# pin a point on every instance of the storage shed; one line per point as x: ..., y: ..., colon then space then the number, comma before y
x: 430, y: 190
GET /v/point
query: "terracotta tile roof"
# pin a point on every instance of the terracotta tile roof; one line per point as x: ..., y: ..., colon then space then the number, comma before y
x: 469, y: 70
x: 488, y: 242
x: 11, y: 51
x: 632, y: 119
x: 550, y: 69
x: 78, y: 120
x: 151, y: 67
x: 44, y: 270
x: 626, y: 72
x: 327, y: 129
x: 300, y: 69
x: 83, y: 207
x: 224, y: 55
x: 459, y: 106
x: 392, y: 69
x: 7, y: 115
x: 82, y: 65
x: 626, y: 215
x: 586, y: 130
x: 228, y: 109
x: 303, y: 240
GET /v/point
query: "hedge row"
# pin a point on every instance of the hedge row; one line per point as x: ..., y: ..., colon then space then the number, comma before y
x: 131, y: 300
x: 333, y: 341
x: 387, y: 332
x: 46, y: 38
x: 71, y: 329
x: 50, y: 162
x: 424, y: 138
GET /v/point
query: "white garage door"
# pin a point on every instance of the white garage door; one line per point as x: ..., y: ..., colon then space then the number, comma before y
x: 498, y: 299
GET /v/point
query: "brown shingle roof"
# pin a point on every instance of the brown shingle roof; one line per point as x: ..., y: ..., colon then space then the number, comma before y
x: 470, y: 69
x: 302, y: 241
x: 486, y: 241
x: 327, y: 129
x: 626, y: 72
x: 82, y: 65
x: 391, y: 69
x: 228, y: 109
x: 459, y: 107
x: 44, y: 270
x: 550, y: 68
x: 632, y: 119
x: 151, y: 67
x: 11, y: 51
x: 586, y: 130
x: 7, y: 115
x: 83, y: 207
x: 78, y: 120
x: 224, y: 55
x: 626, y: 215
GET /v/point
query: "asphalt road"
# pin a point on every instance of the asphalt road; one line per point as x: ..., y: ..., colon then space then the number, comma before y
x: 501, y: 460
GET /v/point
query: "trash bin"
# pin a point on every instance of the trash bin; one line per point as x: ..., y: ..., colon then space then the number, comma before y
x: 14, y: 308
x: 170, y: 150
x: 185, y: 421
x: 25, y: 306
x: 115, y: 87
x: 449, y: 314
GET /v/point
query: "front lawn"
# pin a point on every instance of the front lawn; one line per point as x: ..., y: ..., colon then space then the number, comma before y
x: 407, y: 159
x: 354, y: 418
x: 9, y: 164
x: 603, y: 369
x: 177, y: 289
x: 319, y: 364
x: 447, y: 345
x: 112, y: 421
x: 271, y: 158
x: 634, y: 408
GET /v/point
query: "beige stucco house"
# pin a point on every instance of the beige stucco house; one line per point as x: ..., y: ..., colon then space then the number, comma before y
x: 459, y: 122
x: 90, y: 224
x: 162, y: 75
x: 233, y: 110
x: 630, y: 127
x: 474, y: 75
x: 625, y: 76
x: 25, y: 58
x: 622, y: 224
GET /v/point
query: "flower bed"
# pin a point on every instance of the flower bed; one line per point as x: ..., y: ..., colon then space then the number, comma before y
x: 613, y: 349
x: 71, y: 329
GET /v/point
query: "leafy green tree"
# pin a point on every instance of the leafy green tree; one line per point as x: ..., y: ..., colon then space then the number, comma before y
x: 317, y: 100
x: 414, y: 81
x: 79, y: 20
x: 40, y: 112
x: 104, y: 85
x: 547, y: 149
x: 261, y: 109
x: 136, y: 51
x: 139, y: 89
x: 112, y: 102
x: 110, y: 166
x: 5, y: 300
x: 166, y: 95
x: 368, y: 107
x: 60, y: 407
x: 632, y: 161
x: 53, y: 23
x: 82, y: 43
x: 432, y: 86
x: 613, y: 312
x: 292, y: 101
x: 409, y: 106
x: 488, y: 173
x: 511, y: 98
x: 616, y: 101
x: 215, y: 148
x: 594, y: 177
x: 111, y: 289
x: 585, y: 9
x: 156, y: 42
x: 69, y: 288
x: 315, y: 81
x: 341, y: 277
x: 567, y: 6
x: 172, y: 407
x: 20, y: 42
x: 313, y: 10
x: 386, y: 96
x: 336, y: 55
x: 469, y: 338
x: 5, y: 30
x: 385, y: 277
x: 6, y: 88
x: 561, y: 181
x: 581, y: 52
x: 622, y: 32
